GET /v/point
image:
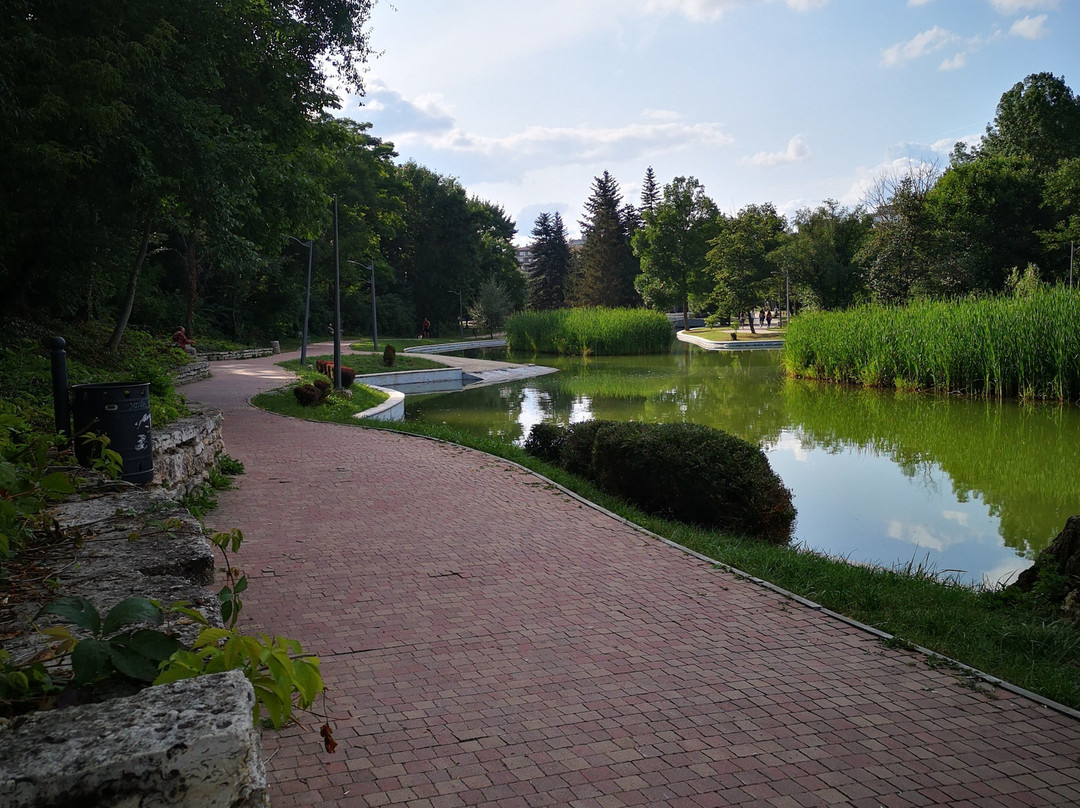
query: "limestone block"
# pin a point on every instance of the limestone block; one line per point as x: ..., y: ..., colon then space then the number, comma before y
x: 191, y: 744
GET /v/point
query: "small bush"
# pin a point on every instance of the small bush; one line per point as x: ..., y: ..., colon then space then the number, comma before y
x: 307, y: 394
x: 689, y: 472
x: 324, y: 387
x: 389, y: 356
x: 545, y: 441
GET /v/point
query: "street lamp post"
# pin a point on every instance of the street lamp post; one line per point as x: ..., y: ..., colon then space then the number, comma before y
x: 307, y: 299
x: 374, y: 312
x: 460, y: 325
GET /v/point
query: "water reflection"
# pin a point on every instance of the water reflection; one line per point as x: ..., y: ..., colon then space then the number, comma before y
x: 976, y: 487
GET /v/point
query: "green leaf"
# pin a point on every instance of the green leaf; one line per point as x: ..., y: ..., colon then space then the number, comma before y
x: 131, y: 663
x: 155, y: 645
x: 58, y: 483
x: 79, y: 611
x: 90, y: 661
x: 241, y: 585
x: 308, y: 681
x: 130, y: 611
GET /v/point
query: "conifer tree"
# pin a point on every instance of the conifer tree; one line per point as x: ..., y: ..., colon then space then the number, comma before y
x: 550, y: 267
x: 650, y: 193
x: 606, y: 266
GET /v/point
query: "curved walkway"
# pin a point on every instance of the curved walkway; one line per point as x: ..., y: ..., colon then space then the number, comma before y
x: 488, y: 640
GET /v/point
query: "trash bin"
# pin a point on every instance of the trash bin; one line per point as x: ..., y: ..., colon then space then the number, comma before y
x: 120, y: 410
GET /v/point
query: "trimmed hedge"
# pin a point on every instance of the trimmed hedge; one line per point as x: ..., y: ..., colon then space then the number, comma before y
x: 689, y: 472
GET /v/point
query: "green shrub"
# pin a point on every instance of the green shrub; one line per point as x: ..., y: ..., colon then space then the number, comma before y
x: 689, y: 472
x: 589, y: 332
x: 545, y: 441
x: 389, y: 356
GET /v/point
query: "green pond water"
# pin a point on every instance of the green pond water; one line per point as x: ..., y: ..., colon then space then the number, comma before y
x: 971, y: 488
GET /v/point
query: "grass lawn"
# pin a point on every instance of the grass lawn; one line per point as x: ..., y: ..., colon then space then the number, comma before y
x: 367, y: 363
x: 724, y: 334
x: 1021, y: 639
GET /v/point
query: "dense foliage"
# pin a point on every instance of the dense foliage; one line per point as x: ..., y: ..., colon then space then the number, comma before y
x: 1026, y: 345
x: 690, y: 472
x: 171, y: 162
x: 589, y: 332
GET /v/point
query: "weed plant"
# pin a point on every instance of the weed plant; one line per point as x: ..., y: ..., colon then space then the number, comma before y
x: 1025, y: 346
x: 589, y: 332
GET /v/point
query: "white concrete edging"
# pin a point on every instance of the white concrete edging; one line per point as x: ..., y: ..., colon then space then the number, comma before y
x: 393, y: 409
x: 746, y: 345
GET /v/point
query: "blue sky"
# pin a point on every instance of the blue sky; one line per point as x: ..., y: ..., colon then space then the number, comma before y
x: 783, y: 101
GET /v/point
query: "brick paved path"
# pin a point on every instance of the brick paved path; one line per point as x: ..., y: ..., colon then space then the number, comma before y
x: 488, y: 640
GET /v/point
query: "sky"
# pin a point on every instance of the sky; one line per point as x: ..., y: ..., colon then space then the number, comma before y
x: 791, y: 102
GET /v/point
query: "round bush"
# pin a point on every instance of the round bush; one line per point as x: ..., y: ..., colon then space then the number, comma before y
x: 689, y: 472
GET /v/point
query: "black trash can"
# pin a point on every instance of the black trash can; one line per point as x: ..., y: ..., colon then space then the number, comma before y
x: 120, y: 410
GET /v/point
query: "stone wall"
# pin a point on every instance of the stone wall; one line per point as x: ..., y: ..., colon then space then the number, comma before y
x: 249, y: 353
x: 191, y: 744
x: 185, y: 451
x: 193, y: 371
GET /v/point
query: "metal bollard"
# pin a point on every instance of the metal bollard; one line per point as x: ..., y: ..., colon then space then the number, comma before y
x: 61, y: 405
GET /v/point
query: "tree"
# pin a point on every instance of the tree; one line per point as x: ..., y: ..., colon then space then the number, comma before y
x: 983, y: 219
x: 138, y: 118
x: 895, y: 254
x: 550, y: 268
x: 672, y: 246
x: 491, y: 307
x: 742, y: 257
x: 820, y: 255
x: 606, y: 265
x: 650, y: 192
x: 1038, y: 118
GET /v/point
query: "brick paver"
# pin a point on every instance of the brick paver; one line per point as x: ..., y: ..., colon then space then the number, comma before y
x: 487, y: 640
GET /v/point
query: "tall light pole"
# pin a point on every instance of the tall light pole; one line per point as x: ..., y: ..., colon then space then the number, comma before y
x: 307, y: 300
x: 461, y: 327
x: 374, y: 313
x: 337, y: 302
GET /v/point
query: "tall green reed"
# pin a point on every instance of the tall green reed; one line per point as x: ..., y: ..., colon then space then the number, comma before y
x: 1024, y: 347
x: 589, y: 332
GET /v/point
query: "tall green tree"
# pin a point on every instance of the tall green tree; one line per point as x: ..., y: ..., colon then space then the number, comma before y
x: 650, y: 192
x: 673, y: 244
x: 449, y: 242
x: 550, y: 268
x: 1039, y: 119
x: 185, y: 118
x: 606, y: 265
x: 819, y: 257
x: 742, y: 258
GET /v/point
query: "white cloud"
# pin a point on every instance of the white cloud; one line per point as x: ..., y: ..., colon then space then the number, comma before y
x: 1030, y: 27
x: 712, y: 10
x: 919, y: 45
x: 1016, y: 6
x: 796, y: 152
x: 955, y: 63
x: 918, y: 2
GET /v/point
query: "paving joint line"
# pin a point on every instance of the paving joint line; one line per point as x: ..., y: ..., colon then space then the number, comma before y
x: 812, y: 605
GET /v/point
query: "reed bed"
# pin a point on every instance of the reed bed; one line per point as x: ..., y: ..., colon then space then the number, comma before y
x: 998, y: 347
x: 589, y: 332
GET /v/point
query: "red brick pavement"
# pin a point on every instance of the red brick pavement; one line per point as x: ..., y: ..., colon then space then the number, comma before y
x: 487, y: 640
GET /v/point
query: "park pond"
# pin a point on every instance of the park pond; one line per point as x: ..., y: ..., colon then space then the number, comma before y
x: 972, y: 489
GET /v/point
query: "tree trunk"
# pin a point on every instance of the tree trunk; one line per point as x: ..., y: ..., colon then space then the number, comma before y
x: 685, y: 315
x: 125, y: 315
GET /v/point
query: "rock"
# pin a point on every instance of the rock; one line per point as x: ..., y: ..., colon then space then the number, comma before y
x: 1064, y: 552
x: 192, y: 744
